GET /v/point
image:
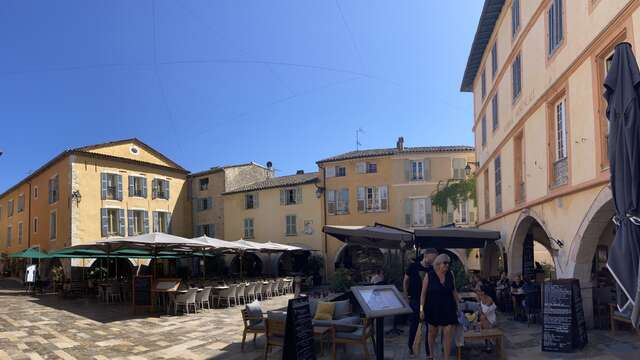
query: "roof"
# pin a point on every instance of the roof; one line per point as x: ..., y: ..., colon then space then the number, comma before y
x: 394, y: 151
x: 276, y: 182
x: 222, y: 168
x: 490, y: 13
x: 137, y: 142
x: 84, y: 151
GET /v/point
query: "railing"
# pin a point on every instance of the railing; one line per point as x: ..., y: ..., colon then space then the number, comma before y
x: 560, y: 172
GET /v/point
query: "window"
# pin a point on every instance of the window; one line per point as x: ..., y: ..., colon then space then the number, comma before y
x: 516, y: 73
x: 111, y: 186
x: 112, y: 222
x: 19, y: 233
x: 494, y: 60
x: 54, y: 189
x: 560, y: 171
x: 35, y: 225
x: 483, y: 84
x: 494, y: 112
x: 138, y: 222
x: 487, y: 208
x: 518, y: 155
x: 291, y: 225
x: 458, y: 166
x: 248, y: 228
x: 206, y: 230
x: 417, y: 170
x: 343, y: 201
x: 373, y: 198
x: 372, y: 168
x: 483, y: 125
x: 418, y: 212
x: 35, y: 192
x: 450, y: 212
x: 290, y: 196
x: 604, y: 63
x: 204, y: 203
x: 160, y: 189
x: 251, y: 201
x: 137, y: 186
x: 498, y: 189
x: 20, y: 203
x: 341, y: 171
x: 162, y: 222
x: 53, y: 225
x: 515, y: 17
x: 555, y: 26
x: 10, y: 208
x: 366, y: 167
x: 204, y: 184
x: 9, y: 235
x: 463, y: 212
x: 331, y: 202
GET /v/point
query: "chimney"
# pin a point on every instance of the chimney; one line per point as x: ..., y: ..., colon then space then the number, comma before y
x: 299, y: 172
x: 400, y: 144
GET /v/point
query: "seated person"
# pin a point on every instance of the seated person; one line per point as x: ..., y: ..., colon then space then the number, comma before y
x: 487, y: 312
x: 517, y: 283
x: 377, y: 278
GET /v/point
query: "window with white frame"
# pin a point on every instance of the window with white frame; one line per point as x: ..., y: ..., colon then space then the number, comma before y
x: 111, y: 186
x: 290, y: 196
x: 206, y: 230
x: 417, y: 170
x: 160, y: 189
x: 463, y: 212
x: 112, y: 222
x: 458, y: 166
x: 138, y: 222
x: 373, y: 198
x: 421, y: 212
x: 53, y: 225
x: 366, y: 167
x: 341, y: 171
x: 248, y: 228
x: 372, y: 168
x: 342, y: 200
x: 251, y: 201
x: 561, y: 130
x: 162, y: 222
x: 291, y: 228
x: 54, y: 189
x: 138, y: 186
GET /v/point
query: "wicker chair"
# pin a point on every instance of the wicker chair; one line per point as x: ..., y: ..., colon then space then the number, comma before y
x: 268, y: 289
x: 240, y: 293
x: 250, y: 293
x: 187, y: 299
x: 202, y: 297
x: 228, y: 294
x: 258, y: 290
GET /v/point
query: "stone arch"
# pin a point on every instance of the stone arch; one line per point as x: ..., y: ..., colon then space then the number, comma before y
x: 490, y: 259
x: 527, y: 221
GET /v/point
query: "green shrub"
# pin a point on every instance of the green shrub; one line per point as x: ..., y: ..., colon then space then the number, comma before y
x: 342, y: 280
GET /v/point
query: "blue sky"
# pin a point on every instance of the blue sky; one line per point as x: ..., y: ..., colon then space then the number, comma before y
x: 227, y: 81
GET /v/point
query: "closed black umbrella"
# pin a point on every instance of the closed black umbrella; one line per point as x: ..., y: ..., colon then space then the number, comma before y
x: 623, y: 112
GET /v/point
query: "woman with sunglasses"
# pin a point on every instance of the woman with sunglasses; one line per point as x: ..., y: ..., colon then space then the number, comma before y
x: 439, y: 303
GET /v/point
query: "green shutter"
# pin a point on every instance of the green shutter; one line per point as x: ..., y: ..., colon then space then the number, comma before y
x: 119, y: 187
x: 156, y: 224
x: 144, y: 187
x: 121, y: 222
x: 131, y: 186
x: 145, y: 220
x: 299, y: 195
x: 154, y: 193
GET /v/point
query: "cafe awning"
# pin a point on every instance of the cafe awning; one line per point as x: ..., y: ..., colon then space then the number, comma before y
x: 454, y: 237
x: 30, y: 253
x: 378, y: 235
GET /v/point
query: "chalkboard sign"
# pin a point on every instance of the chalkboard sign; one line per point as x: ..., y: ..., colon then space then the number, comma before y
x: 563, y: 325
x: 528, y: 268
x: 298, y: 334
x: 142, y: 292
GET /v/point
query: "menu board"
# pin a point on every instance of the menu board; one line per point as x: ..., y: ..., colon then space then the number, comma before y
x: 528, y: 262
x: 142, y: 291
x: 563, y: 325
x: 381, y: 300
x: 298, y: 334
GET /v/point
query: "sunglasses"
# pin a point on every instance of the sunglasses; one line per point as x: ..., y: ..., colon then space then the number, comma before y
x: 446, y: 263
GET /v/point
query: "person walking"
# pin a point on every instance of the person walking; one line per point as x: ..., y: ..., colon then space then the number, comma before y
x: 412, y: 286
x: 439, y: 303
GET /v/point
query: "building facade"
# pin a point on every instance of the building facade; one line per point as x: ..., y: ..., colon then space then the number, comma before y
x: 207, y: 187
x: 536, y: 70
x: 283, y: 209
x: 91, y: 193
x: 392, y: 186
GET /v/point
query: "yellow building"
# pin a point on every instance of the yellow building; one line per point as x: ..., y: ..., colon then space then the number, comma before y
x: 392, y: 186
x: 283, y: 209
x: 536, y: 70
x: 90, y: 193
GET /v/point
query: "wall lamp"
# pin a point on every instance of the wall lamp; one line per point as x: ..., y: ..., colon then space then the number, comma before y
x: 76, y: 196
x: 467, y: 169
x: 319, y: 191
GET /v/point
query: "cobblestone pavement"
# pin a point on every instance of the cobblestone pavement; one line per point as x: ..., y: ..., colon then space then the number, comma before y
x: 48, y: 327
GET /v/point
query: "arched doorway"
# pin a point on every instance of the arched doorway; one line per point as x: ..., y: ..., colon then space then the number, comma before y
x: 363, y: 261
x: 530, y: 253
x: 492, y: 260
x: 251, y: 265
x: 292, y: 262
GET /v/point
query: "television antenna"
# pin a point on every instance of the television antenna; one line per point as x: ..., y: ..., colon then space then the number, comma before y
x: 358, y: 144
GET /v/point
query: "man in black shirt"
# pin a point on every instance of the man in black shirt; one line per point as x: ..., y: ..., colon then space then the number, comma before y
x: 412, y: 286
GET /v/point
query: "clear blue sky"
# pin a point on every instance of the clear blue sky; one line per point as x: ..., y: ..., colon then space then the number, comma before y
x: 222, y: 82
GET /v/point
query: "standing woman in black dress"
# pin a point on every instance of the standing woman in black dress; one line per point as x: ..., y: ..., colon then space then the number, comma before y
x: 439, y: 303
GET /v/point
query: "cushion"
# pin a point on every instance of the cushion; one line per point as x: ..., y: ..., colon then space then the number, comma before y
x: 355, y: 335
x: 325, y: 310
x: 343, y: 308
x: 258, y: 326
x: 313, y: 304
x: 254, y: 311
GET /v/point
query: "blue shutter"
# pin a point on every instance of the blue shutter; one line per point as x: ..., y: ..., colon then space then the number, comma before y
x: 103, y: 187
x: 121, y: 222
x: 104, y: 221
x: 131, y: 187
x: 156, y: 225
x: 130, y: 220
x: 154, y: 190
x: 167, y: 192
x: 169, y: 227
x: 282, y: 197
x: 199, y: 204
x: 119, y: 187
x: 145, y: 221
x: 299, y: 195
x: 210, y: 202
x: 144, y: 187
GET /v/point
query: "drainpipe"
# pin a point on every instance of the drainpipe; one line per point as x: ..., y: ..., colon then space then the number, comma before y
x: 29, y: 220
x: 324, y: 222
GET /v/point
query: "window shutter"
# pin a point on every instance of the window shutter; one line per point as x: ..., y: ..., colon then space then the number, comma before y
x: 361, y: 199
x: 331, y: 202
x: 154, y: 193
x: 144, y: 187
x: 103, y: 188
x: 209, y: 202
x: 130, y: 220
x: 429, y: 211
x: 383, y: 195
x: 156, y: 224
x: 299, y: 195
x: 408, y: 212
x: 255, y: 200
x: 168, y: 196
x: 169, y: 227
x: 330, y: 171
x: 361, y: 167
x: 282, y: 197
x: 407, y: 170
x: 104, y: 221
x: 345, y: 198
x: 121, y: 222
x: 145, y: 221
x: 119, y: 187
x: 131, y: 187
x: 427, y: 169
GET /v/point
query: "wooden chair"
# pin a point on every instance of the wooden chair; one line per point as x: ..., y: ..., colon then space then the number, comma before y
x: 359, y: 336
x: 274, y: 331
x: 616, y: 316
x: 257, y: 328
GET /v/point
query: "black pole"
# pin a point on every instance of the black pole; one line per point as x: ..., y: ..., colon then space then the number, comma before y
x: 380, y: 338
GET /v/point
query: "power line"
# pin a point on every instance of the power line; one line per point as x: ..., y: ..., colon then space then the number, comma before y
x: 350, y: 33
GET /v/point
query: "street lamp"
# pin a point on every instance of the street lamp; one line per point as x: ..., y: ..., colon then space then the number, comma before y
x: 467, y: 169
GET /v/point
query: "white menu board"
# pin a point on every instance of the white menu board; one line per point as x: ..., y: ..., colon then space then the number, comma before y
x: 381, y: 300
